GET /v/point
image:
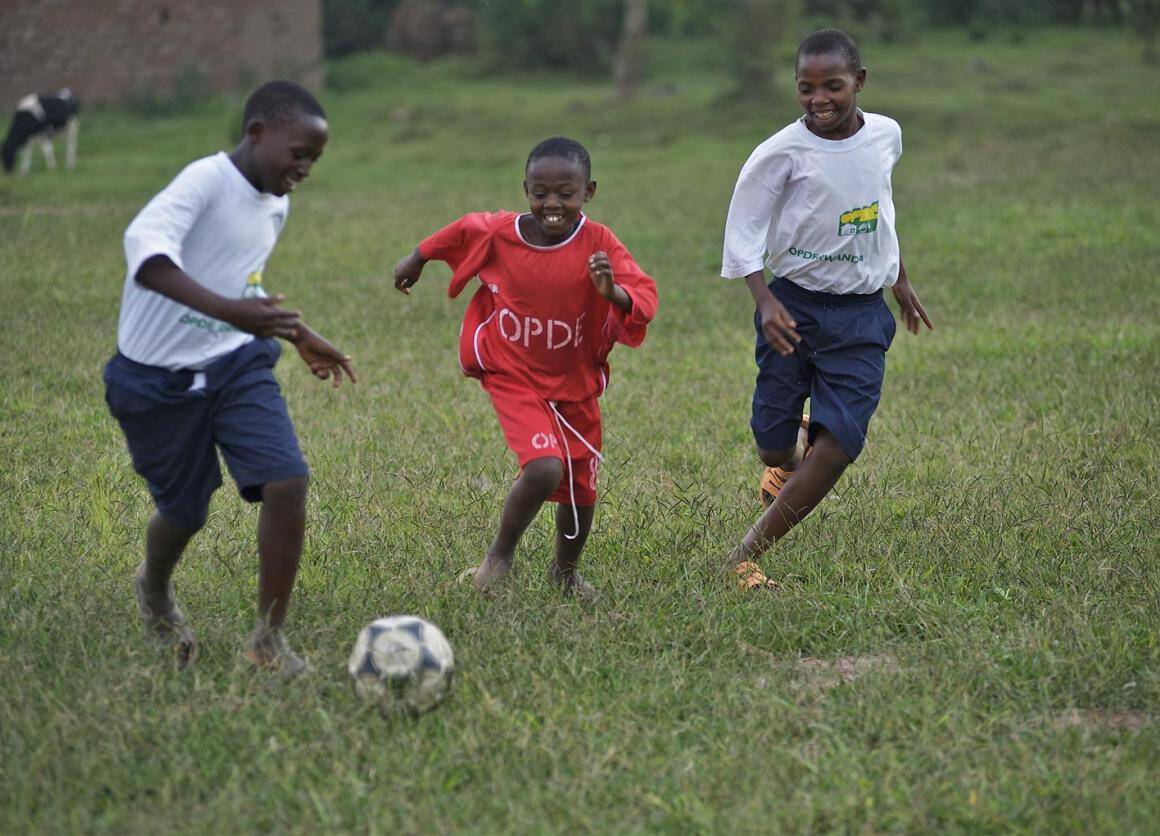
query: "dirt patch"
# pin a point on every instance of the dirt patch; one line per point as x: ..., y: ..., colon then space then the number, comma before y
x: 824, y: 674
x: 1099, y: 719
x: 817, y: 676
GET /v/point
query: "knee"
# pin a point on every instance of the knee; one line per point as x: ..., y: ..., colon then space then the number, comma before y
x: 827, y: 452
x: 544, y: 475
x: 289, y: 493
x: 185, y: 523
x: 775, y: 458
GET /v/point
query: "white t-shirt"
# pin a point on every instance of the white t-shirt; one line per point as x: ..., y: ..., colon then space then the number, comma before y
x: 818, y: 211
x: 215, y: 226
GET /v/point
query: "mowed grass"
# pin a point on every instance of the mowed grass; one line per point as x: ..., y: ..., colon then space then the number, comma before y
x: 966, y: 637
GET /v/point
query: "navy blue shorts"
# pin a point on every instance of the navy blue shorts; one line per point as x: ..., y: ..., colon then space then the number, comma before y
x: 175, y: 430
x: 839, y: 365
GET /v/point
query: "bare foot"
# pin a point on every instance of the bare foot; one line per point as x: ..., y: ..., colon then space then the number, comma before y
x: 267, y: 648
x: 491, y: 571
x: 165, y: 621
x: 572, y: 584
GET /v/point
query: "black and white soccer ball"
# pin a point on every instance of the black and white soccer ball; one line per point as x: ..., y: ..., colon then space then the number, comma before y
x: 402, y: 663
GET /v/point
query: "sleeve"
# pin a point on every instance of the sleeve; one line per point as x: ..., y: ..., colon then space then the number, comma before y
x: 759, y: 185
x: 161, y: 227
x: 464, y: 244
x: 629, y: 327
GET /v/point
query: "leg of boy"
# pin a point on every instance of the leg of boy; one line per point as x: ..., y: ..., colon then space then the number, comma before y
x: 781, y: 464
x: 815, y: 478
x: 536, y: 482
x: 582, y: 435
x: 167, y: 430
x: 281, y: 531
x: 849, y: 362
x: 563, y: 569
x: 253, y: 430
x: 165, y: 542
x: 529, y: 429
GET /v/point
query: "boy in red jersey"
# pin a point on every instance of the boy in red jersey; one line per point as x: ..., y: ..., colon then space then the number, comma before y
x: 558, y: 290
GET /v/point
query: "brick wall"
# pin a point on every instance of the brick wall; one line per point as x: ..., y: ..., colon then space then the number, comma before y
x: 115, y: 50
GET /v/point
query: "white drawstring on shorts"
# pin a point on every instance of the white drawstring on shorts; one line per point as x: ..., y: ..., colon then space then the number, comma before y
x: 562, y: 422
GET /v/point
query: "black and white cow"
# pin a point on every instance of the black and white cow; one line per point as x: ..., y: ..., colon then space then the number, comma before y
x: 39, y: 118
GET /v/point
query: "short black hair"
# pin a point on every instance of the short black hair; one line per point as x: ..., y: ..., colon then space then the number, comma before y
x: 561, y: 146
x: 275, y: 102
x: 831, y: 42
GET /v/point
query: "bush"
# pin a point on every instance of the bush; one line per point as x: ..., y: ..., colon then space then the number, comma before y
x: 355, y: 25
x: 520, y: 34
x: 426, y: 29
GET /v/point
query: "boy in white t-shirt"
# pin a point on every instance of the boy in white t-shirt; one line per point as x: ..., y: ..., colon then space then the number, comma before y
x: 193, y: 373
x: 813, y: 204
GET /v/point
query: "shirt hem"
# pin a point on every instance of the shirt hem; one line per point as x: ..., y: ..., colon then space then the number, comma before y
x: 742, y: 271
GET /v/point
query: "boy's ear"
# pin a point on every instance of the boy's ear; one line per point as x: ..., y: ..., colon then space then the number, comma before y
x: 525, y: 188
x: 860, y: 80
x: 255, y: 129
x: 590, y: 190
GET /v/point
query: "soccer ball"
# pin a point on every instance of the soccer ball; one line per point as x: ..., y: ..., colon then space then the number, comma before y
x: 402, y: 662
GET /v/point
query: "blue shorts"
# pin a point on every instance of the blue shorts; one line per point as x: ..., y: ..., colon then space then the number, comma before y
x: 839, y: 365
x: 175, y: 430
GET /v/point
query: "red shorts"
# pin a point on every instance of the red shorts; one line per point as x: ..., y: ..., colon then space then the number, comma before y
x: 534, y: 430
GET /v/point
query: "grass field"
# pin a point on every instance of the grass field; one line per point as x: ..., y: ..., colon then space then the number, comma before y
x: 966, y: 637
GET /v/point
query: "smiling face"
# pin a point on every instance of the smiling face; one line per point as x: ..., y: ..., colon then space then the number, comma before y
x: 827, y: 89
x: 282, y: 153
x: 557, y: 189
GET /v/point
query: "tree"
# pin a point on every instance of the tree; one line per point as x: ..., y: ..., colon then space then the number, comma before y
x: 1146, y: 16
x: 630, y: 53
x: 758, y: 26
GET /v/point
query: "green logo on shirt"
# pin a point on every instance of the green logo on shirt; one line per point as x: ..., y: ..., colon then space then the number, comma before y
x: 862, y: 219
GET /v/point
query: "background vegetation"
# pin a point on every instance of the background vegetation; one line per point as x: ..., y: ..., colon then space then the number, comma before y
x: 966, y: 634
x: 524, y: 34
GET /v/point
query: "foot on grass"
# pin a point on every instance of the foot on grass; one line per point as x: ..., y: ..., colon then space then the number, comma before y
x: 749, y: 576
x: 267, y: 648
x: 572, y: 584
x: 164, y: 620
x: 490, y: 572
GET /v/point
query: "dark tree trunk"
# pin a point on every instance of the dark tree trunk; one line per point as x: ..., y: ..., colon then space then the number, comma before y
x: 630, y: 53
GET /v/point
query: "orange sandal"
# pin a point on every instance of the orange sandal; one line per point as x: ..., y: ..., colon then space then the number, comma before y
x: 750, y: 576
x: 773, y: 479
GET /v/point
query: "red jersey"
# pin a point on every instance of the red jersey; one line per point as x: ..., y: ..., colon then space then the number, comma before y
x: 537, y: 316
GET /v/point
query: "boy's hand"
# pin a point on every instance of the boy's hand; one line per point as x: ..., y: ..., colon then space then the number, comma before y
x: 600, y: 271
x: 323, y: 358
x: 777, y: 326
x: 262, y: 317
x: 913, y: 313
x: 408, y: 271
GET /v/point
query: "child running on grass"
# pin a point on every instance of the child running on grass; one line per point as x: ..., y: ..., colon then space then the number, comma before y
x: 813, y: 203
x: 557, y: 291
x: 193, y: 373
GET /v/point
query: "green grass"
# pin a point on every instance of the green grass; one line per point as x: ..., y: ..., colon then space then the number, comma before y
x: 987, y: 577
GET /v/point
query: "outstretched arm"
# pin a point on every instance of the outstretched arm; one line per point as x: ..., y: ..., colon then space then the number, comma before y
x: 913, y: 313
x: 262, y: 317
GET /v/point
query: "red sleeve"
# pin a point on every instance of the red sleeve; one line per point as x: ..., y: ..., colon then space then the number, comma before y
x: 464, y: 244
x: 628, y: 327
